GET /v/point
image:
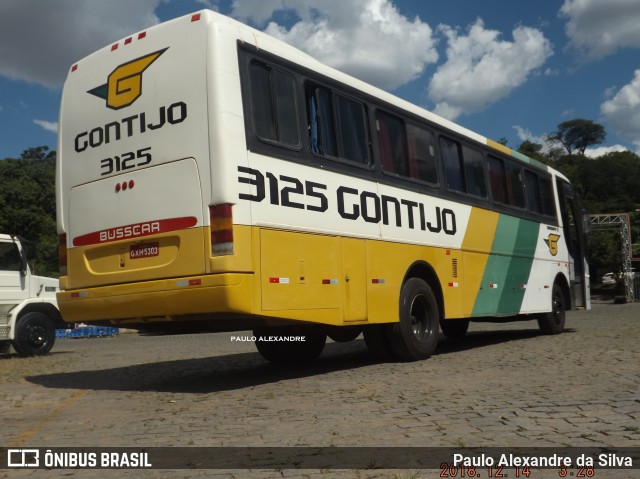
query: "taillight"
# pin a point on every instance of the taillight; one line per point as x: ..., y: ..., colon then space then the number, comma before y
x: 221, y: 220
x: 62, y: 253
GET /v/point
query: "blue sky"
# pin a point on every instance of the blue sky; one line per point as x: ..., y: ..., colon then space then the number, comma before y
x: 503, y: 68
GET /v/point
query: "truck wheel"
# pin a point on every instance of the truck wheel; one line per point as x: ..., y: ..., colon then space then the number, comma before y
x: 454, y: 328
x: 415, y: 336
x: 35, y: 334
x: 272, y: 347
x: 553, y: 322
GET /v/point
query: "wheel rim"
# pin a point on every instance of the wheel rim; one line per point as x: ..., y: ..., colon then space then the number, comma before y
x: 558, y: 308
x: 36, y: 335
x: 420, y: 318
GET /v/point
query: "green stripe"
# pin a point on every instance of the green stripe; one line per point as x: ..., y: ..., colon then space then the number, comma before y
x: 508, y: 267
x: 531, y: 161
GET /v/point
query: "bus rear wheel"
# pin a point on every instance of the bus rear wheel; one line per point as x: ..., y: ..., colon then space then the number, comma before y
x: 553, y: 322
x: 415, y: 336
x: 289, y: 344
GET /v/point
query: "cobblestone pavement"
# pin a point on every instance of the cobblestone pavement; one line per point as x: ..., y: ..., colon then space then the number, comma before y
x: 502, y: 385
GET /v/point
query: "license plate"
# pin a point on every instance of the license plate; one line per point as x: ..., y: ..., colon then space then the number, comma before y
x: 144, y: 250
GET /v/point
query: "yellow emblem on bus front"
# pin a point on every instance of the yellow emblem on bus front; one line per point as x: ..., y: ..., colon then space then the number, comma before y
x: 124, y: 85
x: 552, y: 243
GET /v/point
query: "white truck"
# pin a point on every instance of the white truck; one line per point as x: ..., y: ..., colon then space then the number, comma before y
x: 29, y: 312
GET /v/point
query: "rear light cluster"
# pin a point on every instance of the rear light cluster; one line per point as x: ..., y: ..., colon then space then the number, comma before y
x: 221, y: 221
x: 194, y: 18
x: 62, y: 254
x: 115, y: 46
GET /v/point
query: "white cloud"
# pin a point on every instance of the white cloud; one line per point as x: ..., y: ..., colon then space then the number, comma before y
x: 259, y: 11
x: 525, y: 134
x: 603, y: 150
x: 368, y: 39
x: 599, y: 27
x: 51, y: 126
x: 41, y: 39
x: 481, y: 68
x: 623, y: 111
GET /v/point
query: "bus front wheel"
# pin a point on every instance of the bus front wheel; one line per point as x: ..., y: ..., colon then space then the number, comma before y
x: 553, y: 322
x: 415, y: 336
x: 289, y: 344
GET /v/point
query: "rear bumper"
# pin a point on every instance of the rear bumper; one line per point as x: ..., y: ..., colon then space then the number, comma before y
x: 161, y: 300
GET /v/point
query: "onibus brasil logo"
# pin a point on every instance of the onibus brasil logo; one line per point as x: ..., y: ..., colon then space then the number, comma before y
x: 124, y: 84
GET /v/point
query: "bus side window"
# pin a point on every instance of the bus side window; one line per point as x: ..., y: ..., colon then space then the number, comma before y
x: 337, y: 125
x: 532, y: 190
x: 546, y: 196
x: 354, y: 142
x: 322, y: 135
x: 463, y: 168
x: 515, y: 186
x: 474, y: 172
x: 273, y: 104
x: 391, y: 143
x: 422, y: 154
x: 497, y: 180
x: 453, y: 173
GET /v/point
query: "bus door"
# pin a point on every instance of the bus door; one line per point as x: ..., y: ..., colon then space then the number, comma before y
x: 575, y: 237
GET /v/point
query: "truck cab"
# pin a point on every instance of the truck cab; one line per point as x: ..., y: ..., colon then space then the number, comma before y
x: 29, y: 312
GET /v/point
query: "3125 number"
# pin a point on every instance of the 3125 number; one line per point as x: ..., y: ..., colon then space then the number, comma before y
x: 126, y: 161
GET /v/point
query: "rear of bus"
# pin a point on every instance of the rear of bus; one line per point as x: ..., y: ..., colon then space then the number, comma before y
x: 142, y: 175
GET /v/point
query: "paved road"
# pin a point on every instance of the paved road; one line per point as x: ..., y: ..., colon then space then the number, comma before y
x: 502, y: 385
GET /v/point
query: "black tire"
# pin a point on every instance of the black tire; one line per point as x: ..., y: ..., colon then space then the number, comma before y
x: 377, y: 340
x: 35, y: 334
x: 343, y: 334
x: 5, y: 347
x: 415, y: 336
x: 553, y: 322
x: 454, y: 328
x: 289, y: 351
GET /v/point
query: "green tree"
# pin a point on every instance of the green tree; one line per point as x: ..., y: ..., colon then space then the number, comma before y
x: 577, y: 135
x: 28, y: 205
x: 533, y: 150
x: 607, y: 184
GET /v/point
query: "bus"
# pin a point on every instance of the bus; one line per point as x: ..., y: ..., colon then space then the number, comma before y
x: 211, y: 177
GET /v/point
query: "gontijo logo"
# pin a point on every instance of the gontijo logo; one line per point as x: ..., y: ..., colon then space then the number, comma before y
x: 552, y: 243
x: 124, y: 85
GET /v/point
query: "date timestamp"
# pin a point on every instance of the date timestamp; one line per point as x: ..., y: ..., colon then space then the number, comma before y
x: 452, y: 470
